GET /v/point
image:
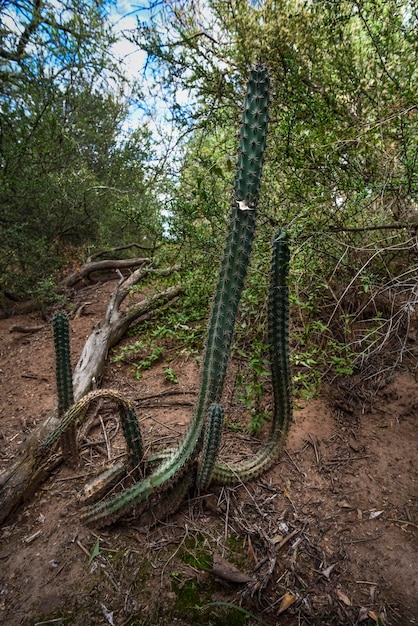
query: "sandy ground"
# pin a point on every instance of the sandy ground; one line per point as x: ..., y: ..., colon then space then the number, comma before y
x: 328, y: 536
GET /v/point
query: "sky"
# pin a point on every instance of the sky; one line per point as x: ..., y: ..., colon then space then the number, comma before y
x: 124, y: 16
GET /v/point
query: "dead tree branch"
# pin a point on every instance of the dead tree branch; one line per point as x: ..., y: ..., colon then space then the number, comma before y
x: 98, y: 266
x: 102, y: 253
x: 19, y: 481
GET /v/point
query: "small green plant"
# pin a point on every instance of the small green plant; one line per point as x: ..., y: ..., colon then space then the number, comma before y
x: 235, y: 612
x: 46, y: 293
x: 179, y: 329
x: 148, y: 362
x: 342, y: 359
x: 251, y: 387
x: 130, y: 354
x: 127, y: 352
x: 258, y: 419
x: 196, y: 552
x: 307, y: 384
x: 170, y: 375
x: 95, y: 551
x: 305, y: 359
x: 184, y: 328
x: 368, y: 281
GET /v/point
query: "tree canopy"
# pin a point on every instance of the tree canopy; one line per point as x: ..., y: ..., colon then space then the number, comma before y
x: 71, y: 174
x: 341, y: 168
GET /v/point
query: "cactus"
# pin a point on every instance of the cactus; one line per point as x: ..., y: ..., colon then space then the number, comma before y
x: 70, y: 413
x: 172, y: 471
x: 252, y: 141
x: 64, y: 382
x: 132, y: 434
x: 211, y: 443
x: 77, y: 412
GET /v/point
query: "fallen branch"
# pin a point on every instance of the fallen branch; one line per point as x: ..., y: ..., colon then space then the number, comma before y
x: 90, y: 365
x: 98, y: 255
x: 98, y: 266
x: 19, y: 481
x: 26, y: 329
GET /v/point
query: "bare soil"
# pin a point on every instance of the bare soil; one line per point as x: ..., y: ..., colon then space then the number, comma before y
x: 328, y: 536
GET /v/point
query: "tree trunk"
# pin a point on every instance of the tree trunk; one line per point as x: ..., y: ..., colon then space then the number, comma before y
x: 20, y: 481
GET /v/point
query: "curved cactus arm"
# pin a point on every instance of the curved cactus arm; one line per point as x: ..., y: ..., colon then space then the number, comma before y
x: 156, y: 509
x: 77, y: 412
x: 278, y: 322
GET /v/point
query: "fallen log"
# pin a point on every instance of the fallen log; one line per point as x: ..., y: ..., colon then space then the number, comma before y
x: 29, y: 330
x: 99, y: 266
x: 20, y: 480
x: 107, y: 269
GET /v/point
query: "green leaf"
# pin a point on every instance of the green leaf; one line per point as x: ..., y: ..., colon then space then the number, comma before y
x: 95, y: 551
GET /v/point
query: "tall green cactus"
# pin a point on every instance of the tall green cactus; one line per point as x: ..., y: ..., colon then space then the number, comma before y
x: 175, y: 469
x: 278, y: 326
x: 63, y: 362
x: 252, y: 141
x: 64, y: 382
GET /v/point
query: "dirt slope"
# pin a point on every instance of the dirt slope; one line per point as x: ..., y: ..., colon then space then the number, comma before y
x: 330, y: 533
